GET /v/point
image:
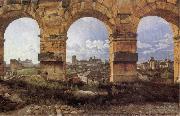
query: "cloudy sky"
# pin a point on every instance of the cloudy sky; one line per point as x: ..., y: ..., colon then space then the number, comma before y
x: 155, y: 38
x: 21, y: 40
x: 88, y: 37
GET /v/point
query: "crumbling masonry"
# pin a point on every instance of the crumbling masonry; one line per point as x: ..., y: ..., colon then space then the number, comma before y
x: 120, y: 16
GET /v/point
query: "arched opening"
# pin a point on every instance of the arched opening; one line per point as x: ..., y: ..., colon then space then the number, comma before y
x: 155, y: 49
x: 21, y: 47
x: 87, y: 51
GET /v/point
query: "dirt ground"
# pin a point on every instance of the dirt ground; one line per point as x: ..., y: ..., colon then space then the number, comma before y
x: 21, y: 98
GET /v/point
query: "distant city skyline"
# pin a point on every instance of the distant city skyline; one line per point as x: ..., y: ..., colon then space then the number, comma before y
x: 87, y: 58
x: 20, y: 60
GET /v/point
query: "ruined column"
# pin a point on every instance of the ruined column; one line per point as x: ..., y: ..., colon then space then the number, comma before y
x: 1, y: 55
x: 123, y: 56
x: 177, y: 59
x: 177, y: 50
x: 53, y: 57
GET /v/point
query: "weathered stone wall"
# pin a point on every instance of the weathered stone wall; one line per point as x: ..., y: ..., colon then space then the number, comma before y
x: 177, y: 59
x: 123, y: 57
x: 1, y: 57
x: 15, y: 65
x: 120, y: 16
x: 55, y: 70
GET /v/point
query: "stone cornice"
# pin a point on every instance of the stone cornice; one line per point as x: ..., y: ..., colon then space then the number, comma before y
x: 124, y: 35
x: 125, y: 57
x: 51, y: 56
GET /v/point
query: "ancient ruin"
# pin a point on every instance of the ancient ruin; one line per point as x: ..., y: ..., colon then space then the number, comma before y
x: 120, y: 16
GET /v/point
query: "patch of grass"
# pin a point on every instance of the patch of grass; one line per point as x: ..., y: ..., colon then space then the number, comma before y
x: 39, y: 81
x: 28, y: 71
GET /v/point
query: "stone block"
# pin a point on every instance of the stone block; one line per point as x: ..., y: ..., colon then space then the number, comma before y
x: 50, y: 56
x: 53, y: 70
x: 125, y: 57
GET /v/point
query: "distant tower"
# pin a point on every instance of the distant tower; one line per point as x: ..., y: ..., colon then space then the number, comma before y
x: 74, y: 60
x: 90, y: 59
x: 152, y: 63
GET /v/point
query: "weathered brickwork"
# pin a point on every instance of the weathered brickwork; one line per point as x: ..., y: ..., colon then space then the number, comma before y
x: 120, y: 16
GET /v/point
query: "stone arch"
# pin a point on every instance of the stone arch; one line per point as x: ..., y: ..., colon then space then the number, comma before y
x: 87, y: 12
x: 122, y: 42
x: 121, y: 17
x: 80, y: 9
x: 168, y: 10
x: 122, y: 39
x: 99, y: 16
x: 94, y: 14
x: 8, y: 14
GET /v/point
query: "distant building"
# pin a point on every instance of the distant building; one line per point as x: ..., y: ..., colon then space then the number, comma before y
x: 91, y: 61
x: 26, y: 63
x: 153, y: 64
x: 18, y: 64
x: 74, y: 60
x: 6, y: 67
x: 93, y: 70
x: 95, y: 60
x: 166, y: 64
x: 15, y: 65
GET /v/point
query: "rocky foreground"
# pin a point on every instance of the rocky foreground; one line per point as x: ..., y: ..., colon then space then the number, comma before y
x: 169, y: 109
x: 19, y: 97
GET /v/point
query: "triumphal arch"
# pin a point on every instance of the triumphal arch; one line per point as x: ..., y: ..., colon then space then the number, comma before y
x: 120, y: 16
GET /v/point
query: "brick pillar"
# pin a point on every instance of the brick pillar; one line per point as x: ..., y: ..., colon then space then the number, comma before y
x: 123, y: 57
x: 54, y: 69
x: 53, y: 57
x: 1, y: 57
x: 177, y: 59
